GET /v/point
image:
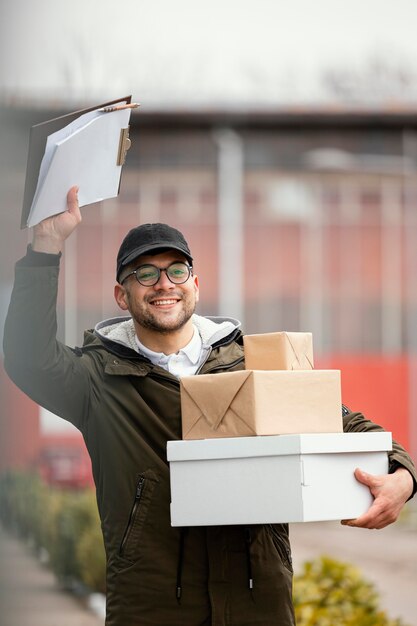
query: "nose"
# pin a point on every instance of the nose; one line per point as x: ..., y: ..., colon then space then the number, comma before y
x: 164, y: 282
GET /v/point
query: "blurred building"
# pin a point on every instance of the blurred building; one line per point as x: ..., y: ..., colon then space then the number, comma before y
x: 298, y: 220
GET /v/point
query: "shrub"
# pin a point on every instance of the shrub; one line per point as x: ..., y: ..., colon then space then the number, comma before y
x: 71, y: 518
x: 91, y: 556
x: 23, y: 502
x: 330, y: 593
x: 64, y: 524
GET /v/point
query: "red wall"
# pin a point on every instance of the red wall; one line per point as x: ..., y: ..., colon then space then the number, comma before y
x: 377, y: 387
x: 19, y: 426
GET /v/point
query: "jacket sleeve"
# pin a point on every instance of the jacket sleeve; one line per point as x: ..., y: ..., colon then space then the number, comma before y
x: 398, y: 457
x: 46, y: 370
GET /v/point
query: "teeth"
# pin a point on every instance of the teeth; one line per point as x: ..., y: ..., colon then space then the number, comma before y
x: 162, y: 302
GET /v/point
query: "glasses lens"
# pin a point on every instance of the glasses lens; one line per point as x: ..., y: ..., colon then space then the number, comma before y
x: 178, y: 273
x: 147, y: 275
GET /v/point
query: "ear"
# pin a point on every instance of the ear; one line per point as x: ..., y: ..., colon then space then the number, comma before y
x: 196, y: 288
x: 121, y: 297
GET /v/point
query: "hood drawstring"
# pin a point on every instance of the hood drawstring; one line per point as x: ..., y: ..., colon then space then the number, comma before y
x: 248, y: 541
x: 178, y: 587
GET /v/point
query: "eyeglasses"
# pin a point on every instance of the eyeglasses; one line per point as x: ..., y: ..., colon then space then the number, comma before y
x: 148, y: 275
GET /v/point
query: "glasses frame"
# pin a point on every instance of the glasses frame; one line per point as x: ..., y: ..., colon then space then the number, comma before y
x: 160, y: 270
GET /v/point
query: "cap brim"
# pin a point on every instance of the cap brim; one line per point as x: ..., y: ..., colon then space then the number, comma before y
x: 142, y: 250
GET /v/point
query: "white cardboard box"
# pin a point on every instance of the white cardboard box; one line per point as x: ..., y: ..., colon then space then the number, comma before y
x: 272, y: 479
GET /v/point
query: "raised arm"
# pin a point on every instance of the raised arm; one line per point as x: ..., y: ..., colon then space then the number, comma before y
x: 48, y: 371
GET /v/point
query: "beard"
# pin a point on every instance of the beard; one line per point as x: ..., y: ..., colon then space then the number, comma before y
x: 143, y: 314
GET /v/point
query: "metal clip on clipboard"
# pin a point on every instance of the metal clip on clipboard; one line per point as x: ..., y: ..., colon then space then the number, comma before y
x: 124, y: 145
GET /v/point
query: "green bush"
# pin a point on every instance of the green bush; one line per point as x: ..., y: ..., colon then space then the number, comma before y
x: 330, y: 593
x: 71, y: 519
x: 64, y: 524
x: 23, y: 501
x: 91, y: 556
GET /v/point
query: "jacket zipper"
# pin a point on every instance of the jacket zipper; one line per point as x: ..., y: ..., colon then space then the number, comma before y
x: 170, y: 379
x: 216, y: 368
x: 220, y: 368
x: 138, y: 496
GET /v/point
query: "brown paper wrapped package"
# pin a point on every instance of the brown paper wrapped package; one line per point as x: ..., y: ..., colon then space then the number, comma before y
x: 279, y: 351
x: 247, y: 403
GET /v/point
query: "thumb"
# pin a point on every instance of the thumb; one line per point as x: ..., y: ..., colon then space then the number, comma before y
x: 72, y: 200
x: 364, y: 477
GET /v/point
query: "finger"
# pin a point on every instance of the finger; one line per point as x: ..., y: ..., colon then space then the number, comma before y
x: 369, y: 518
x: 369, y: 523
x: 364, y: 477
x: 378, y: 516
x: 371, y: 481
x: 72, y: 201
x: 361, y: 522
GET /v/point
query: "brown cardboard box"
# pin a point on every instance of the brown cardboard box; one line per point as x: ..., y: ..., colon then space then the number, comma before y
x: 279, y: 351
x: 246, y: 403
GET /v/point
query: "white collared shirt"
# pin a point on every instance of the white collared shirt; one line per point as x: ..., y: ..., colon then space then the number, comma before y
x: 185, y: 362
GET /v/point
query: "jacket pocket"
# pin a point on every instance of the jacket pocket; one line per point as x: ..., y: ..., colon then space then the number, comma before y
x: 282, y: 545
x: 130, y: 544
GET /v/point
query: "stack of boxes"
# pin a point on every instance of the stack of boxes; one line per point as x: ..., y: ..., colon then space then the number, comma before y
x: 266, y: 444
x: 278, y: 393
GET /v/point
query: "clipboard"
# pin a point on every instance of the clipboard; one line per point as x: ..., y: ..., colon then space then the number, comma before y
x: 94, y: 150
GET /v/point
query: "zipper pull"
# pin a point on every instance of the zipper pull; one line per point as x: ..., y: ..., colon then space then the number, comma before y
x: 139, y: 488
x: 248, y: 540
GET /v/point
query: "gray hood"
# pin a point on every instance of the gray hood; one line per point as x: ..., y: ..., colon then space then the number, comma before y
x: 121, y: 330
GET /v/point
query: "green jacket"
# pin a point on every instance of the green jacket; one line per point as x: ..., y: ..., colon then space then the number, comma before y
x: 127, y: 409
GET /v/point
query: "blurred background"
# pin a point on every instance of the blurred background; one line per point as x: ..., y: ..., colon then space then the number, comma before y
x: 280, y: 137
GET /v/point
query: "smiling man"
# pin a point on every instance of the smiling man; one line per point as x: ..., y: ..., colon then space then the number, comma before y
x: 121, y: 389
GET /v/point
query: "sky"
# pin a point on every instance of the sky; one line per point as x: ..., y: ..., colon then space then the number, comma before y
x: 193, y: 53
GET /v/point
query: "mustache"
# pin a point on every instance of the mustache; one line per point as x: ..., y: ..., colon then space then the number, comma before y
x: 163, y: 294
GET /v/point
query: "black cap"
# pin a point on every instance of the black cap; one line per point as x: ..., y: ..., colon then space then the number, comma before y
x: 150, y: 239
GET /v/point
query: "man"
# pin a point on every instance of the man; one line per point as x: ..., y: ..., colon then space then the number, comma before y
x: 121, y: 389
